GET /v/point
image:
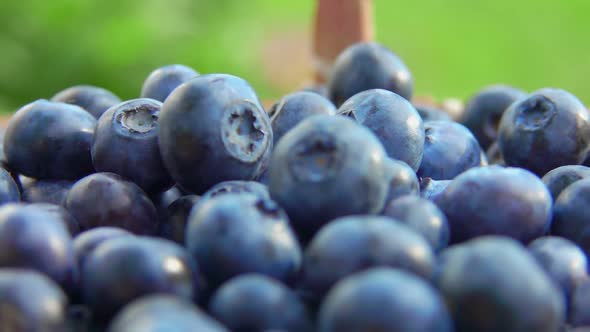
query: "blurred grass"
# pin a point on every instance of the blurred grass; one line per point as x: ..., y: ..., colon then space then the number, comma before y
x: 453, y: 47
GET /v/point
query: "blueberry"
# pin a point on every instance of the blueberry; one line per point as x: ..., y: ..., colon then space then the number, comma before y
x: 484, y: 111
x: 429, y: 113
x: 547, y: 129
x: 174, y: 227
x: 325, y: 168
x: 50, y: 140
x: 9, y: 192
x: 212, y: 129
x: 126, y: 143
x: 494, y: 284
x: 570, y: 214
x: 432, y: 190
x: 449, y: 150
x: 106, y: 199
x: 577, y: 329
x: 561, y: 177
x: 579, y: 314
x: 123, y: 269
x: 234, y: 234
x: 93, y: 99
x: 30, y: 302
x: 351, y: 244
x: 392, y: 119
x: 33, y: 238
x: 422, y: 216
x: 236, y: 187
x: 383, y: 299
x: 84, y: 244
x: 89, y: 240
x: 159, y: 313
x: 46, y: 191
x: 258, y: 303
x: 366, y: 66
x: 162, y: 81
x: 60, y: 213
x: 292, y: 108
x: 495, y: 200
x: 563, y: 261
x: 402, y: 180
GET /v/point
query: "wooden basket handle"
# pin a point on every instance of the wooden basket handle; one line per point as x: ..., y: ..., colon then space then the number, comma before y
x: 338, y: 24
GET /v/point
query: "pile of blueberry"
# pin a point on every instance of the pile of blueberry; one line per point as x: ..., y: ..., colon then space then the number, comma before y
x: 343, y: 208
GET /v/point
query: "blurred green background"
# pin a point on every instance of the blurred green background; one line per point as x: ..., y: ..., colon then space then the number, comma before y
x: 453, y: 47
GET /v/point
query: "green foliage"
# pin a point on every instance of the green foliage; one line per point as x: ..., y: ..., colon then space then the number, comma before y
x: 453, y: 47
